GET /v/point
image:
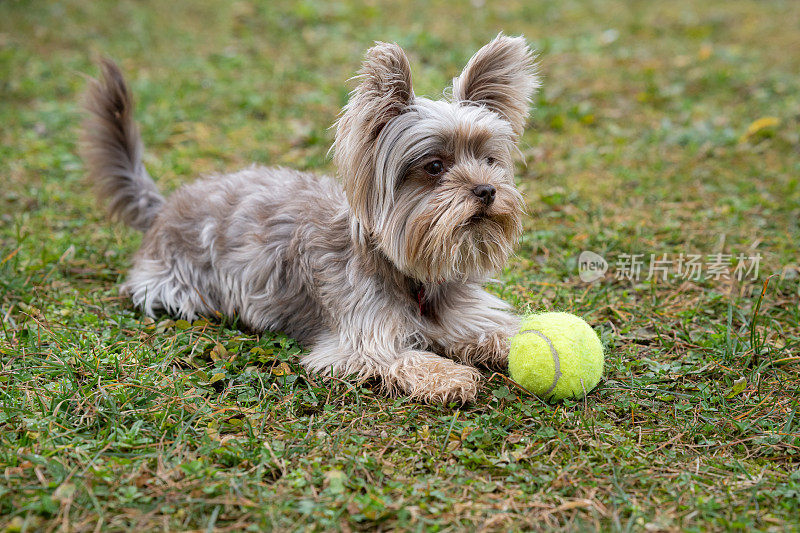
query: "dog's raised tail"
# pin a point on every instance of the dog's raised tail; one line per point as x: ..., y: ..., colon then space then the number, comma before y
x: 111, y: 148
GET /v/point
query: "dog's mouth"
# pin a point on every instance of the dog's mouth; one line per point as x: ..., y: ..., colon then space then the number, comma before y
x: 495, y: 229
x: 439, y: 245
x: 481, y: 214
x: 482, y: 217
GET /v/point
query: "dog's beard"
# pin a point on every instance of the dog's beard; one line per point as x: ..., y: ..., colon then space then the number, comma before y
x: 450, y: 236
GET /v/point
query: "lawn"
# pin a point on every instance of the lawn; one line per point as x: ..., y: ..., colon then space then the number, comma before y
x: 663, y: 128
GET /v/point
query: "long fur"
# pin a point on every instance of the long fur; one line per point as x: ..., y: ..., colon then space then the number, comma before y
x: 112, y: 151
x: 378, y: 273
x: 502, y: 76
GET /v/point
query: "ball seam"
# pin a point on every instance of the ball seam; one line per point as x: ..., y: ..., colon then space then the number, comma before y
x: 556, y: 360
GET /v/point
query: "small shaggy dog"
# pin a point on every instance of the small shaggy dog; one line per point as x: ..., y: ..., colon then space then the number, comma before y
x: 379, y: 274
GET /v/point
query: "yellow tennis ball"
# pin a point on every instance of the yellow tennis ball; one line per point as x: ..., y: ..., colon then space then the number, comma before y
x: 556, y: 356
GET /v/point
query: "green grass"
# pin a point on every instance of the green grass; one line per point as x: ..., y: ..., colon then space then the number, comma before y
x: 109, y: 420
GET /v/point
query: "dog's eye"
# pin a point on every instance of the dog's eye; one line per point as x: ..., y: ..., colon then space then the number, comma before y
x: 434, y: 168
x: 490, y: 160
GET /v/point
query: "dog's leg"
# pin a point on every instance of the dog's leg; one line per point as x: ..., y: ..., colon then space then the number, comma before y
x: 475, y: 329
x: 175, y: 287
x: 422, y: 375
x: 431, y: 378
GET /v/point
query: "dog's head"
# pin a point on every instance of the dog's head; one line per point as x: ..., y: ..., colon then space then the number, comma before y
x: 431, y: 182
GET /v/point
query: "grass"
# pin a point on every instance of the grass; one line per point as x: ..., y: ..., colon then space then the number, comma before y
x: 645, y: 141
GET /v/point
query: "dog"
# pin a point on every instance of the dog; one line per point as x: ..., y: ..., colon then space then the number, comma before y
x: 379, y: 273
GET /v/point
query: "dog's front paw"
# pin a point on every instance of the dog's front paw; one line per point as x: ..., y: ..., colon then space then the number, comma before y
x: 490, y: 350
x: 433, y: 379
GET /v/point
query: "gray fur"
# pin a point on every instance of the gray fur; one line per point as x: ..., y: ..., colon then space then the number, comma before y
x: 112, y: 150
x: 341, y: 264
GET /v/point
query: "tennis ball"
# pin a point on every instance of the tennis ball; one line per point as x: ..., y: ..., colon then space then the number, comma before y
x: 556, y: 356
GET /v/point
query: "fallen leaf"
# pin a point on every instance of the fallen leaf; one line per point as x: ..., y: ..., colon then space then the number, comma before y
x: 336, y: 481
x: 282, y: 370
x: 218, y: 352
x: 738, y: 386
x: 64, y: 492
x: 759, y: 125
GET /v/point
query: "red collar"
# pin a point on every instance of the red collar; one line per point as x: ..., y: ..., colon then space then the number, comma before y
x: 425, y: 307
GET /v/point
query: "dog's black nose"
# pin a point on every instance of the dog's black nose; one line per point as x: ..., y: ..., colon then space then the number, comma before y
x: 486, y: 193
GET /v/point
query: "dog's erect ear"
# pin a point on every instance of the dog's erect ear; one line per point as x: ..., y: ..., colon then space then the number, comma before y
x: 385, y: 89
x: 501, y: 76
x: 383, y: 93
